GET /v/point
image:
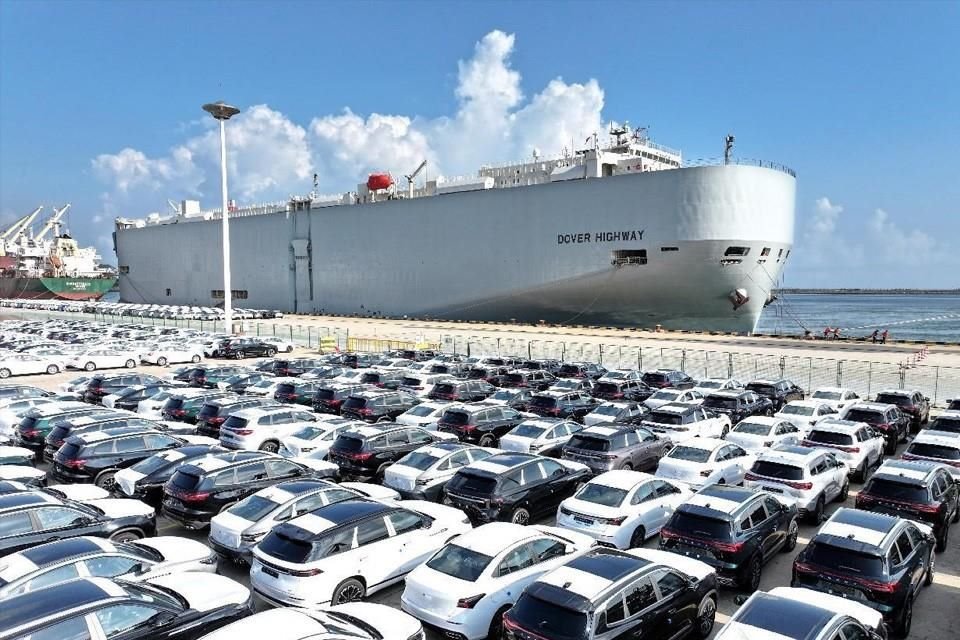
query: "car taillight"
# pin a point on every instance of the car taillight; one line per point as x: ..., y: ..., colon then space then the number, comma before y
x: 883, y: 426
x: 305, y: 573
x: 243, y: 432
x: 216, y: 420
x: 669, y: 534
x: 802, y: 486
x: 727, y: 547
x: 178, y: 412
x: 29, y: 433
x: 365, y: 412
x: 471, y: 602
x: 360, y: 457
x: 612, y: 521
x: 75, y: 464
x: 751, y: 476
x: 469, y: 427
x: 196, y: 496
x: 555, y: 412
x: 565, y: 511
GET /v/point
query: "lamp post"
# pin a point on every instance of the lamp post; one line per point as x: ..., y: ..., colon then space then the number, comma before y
x: 223, y: 112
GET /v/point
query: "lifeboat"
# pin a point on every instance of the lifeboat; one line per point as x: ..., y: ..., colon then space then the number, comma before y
x: 379, y: 181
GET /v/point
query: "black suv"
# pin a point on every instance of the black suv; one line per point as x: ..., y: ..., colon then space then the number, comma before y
x: 916, y: 490
x: 536, y: 379
x: 329, y: 398
x: 378, y: 405
x: 215, y: 412
x: 461, y: 390
x: 542, y: 365
x: 129, y: 398
x: 581, y: 370
x: 200, y: 490
x: 515, y: 398
x: 238, y: 382
x: 207, y: 377
x: 105, y: 384
x: 622, y: 390
x: 738, y: 404
x: 97, y: 456
x: 563, y: 404
x: 668, y: 379
x: 295, y: 367
x: 297, y: 392
x: 516, y: 487
x: 494, y: 374
x: 913, y: 403
x: 780, y: 392
x: 365, y: 453
x: 385, y: 379
x: 244, y: 348
x: 886, y: 418
x: 186, y: 408
x: 479, y: 423
x: 144, y: 481
x: 37, y: 424
x: 873, y: 558
x: 86, y: 424
x: 734, y: 530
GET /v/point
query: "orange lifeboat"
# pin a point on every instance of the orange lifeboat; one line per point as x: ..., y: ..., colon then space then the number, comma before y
x: 379, y: 181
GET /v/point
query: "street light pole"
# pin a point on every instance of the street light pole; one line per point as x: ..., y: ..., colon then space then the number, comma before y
x: 223, y: 112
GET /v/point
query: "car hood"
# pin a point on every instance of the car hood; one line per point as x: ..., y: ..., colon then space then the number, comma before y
x: 401, y: 476
x: 691, y: 567
x: 80, y: 492
x: 682, y: 469
x: 20, y: 472
x: 516, y: 443
x: 122, y: 507
x: 389, y: 622
x: 320, y: 468
x: 192, y: 439
x: 592, y: 509
x: 177, y: 549
x: 205, y: 591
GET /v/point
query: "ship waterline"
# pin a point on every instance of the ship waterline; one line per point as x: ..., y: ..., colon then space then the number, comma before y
x: 696, y: 248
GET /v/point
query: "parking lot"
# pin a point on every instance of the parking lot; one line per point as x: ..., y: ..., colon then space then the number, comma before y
x: 932, y: 614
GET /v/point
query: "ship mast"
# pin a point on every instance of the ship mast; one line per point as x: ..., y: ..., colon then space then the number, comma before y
x: 54, y: 220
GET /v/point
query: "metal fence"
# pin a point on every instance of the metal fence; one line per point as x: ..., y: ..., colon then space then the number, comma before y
x: 865, y: 377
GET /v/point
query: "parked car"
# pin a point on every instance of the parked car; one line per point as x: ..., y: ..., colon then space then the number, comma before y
x: 806, y: 413
x: 670, y: 396
x: 544, y: 436
x: 425, y: 414
x: 129, y: 398
x: 947, y: 421
x: 479, y: 423
x: 621, y: 390
x: 515, y: 487
x: 25, y: 364
x: 299, y: 392
x: 581, y: 370
x: 780, y: 392
x: 911, y: 402
x: 886, y: 418
x: 214, y: 413
x: 936, y: 446
x: 185, y: 407
x: 466, y: 587
x: 534, y: 379
x: 378, y: 405
x: 880, y: 560
x: 706, y: 386
x: 859, y: 445
x: 838, y: 397
x: 423, y: 473
x: 171, y: 354
x: 330, y: 396
x: 144, y: 481
x: 605, y: 447
x: 461, y: 390
x: 622, y: 509
x: 240, y: 348
x: 734, y: 530
x: 314, y: 440
x: 811, y: 477
x: 102, y: 385
x: 263, y: 427
x: 703, y: 461
x: 103, y: 359
x: 668, y: 378
x: 345, y: 551
x: 619, y: 412
x: 351, y: 620
x: 679, y: 422
x: 759, y: 432
x: 366, y: 452
x: 562, y: 404
x: 738, y: 404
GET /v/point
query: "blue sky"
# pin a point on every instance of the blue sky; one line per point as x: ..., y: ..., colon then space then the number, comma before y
x: 100, y: 104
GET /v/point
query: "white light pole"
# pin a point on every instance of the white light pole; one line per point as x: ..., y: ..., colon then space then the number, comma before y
x: 224, y: 112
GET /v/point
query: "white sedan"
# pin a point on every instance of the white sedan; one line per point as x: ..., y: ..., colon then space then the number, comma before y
x: 703, y: 461
x: 465, y: 588
x: 709, y: 385
x: 23, y: 364
x: 283, y: 346
x: 622, y: 508
x: 543, y: 436
x: 425, y: 414
x: 759, y: 432
x: 838, y: 397
x: 104, y: 359
x: 806, y: 413
x: 83, y: 557
x: 170, y: 354
x: 666, y: 396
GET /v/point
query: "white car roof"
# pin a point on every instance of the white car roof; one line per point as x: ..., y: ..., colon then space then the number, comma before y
x: 769, y: 421
x: 943, y: 438
x: 493, y: 538
x: 813, y: 404
x: 706, y: 444
x: 904, y: 472
x: 838, y: 425
x: 792, y: 455
x: 621, y: 479
x: 833, y: 389
x: 600, y: 431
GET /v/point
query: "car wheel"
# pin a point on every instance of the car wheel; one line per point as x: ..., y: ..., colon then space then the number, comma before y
x: 844, y: 491
x: 942, y: 538
x: 627, y: 466
x: 195, y: 359
x: 861, y: 472
x: 105, y: 480
x: 127, y: 535
x: 638, y: 538
x: 90, y: 366
x: 750, y: 580
x: 725, y: 431
x: 4, y: 373
x: 905, y: 620
x: 816, y: 514
x: 271, y: 353
x: 270, y: 446
x: 496, y: 624
x: 931, y: 568
x: 350, y: 590
x: 793, y: 531
x: 161, y: 361
x: 130, y: 364
x: 53, y: 369
x: 290, y: 349
x: 488, y: 440
x: 520, y: 516
x: 706, y: 617
x: 768, y: 412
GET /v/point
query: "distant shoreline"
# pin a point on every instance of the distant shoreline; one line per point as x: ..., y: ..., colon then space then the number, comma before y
x: 868, y: 292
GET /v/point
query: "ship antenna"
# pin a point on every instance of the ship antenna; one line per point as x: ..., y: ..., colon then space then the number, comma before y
x: 727, y: 148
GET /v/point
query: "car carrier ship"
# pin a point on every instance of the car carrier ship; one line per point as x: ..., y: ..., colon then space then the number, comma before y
x: 622, y: 233
x: 35, y: 266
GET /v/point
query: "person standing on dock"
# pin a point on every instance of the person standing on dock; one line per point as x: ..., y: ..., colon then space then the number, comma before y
x: 826, y: 332
x: 873, y: 336
x: 883, y: 337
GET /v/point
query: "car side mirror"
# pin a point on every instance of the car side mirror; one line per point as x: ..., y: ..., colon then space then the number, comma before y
x: 739, y: 599
x: 162, y: 619
x: 139, y: 569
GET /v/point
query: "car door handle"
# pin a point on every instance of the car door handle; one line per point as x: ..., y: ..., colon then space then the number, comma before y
x: 672, y: 611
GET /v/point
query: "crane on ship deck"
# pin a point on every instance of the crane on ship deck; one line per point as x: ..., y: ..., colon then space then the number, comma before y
x: 413, y: 176
x: 54, y: 219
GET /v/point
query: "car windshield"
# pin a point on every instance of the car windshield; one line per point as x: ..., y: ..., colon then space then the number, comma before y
x: 601, y: 494
x: 607, y: 410
x: 827, y: 395
x: 418, y: 460
x: 830, y: 437
x: 589, y: 444
x: 543, y: 402
x: 752, y: 429
x: 421, y: 412
x: 503, y: 394
x: 796, y: 410
x: 458, y: 562
x: 548, y: 619
x: 665, y: 395
x: 938, y: 451
x: 845, y: 560
x: 309, y: 433
x: 946, y: 423
x: 720, y: 402
x: 894, y: 398
x: 895, y: 490
x: 864, y: 415
x: 664, y: 417
x: 525, y: 430
x: 777, y: 470
x: 472, y: 483
x: 710, y: 384
x: 253, y: 508
x: 689, y: 454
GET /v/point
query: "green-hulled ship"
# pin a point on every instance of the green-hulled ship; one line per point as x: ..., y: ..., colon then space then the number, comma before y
x: 35, y: 266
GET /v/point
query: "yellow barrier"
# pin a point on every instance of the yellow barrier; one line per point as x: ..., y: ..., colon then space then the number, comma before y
x: 379, y: 345
x: 328, y: 344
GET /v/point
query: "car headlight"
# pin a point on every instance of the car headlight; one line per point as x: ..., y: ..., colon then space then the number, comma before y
x: 252, y: 537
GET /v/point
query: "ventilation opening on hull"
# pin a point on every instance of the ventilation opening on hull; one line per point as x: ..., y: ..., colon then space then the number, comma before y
x: 628, y: 256
x: 666, y: 249
x: 736, y: 251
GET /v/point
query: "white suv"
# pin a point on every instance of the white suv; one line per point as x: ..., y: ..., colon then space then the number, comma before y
x: 678, y: 422
x: 263, y: 427
x: 812, y: 477
x: 837, y: 397
x: 858, y: 444
x: 467, y: 586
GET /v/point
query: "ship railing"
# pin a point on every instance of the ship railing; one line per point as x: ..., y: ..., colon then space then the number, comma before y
x: 752, y: 162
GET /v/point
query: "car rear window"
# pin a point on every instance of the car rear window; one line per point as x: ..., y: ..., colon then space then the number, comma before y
x: 894, y: 398
x: 777, y: 470
x: 830, y: 437
x: 460, y: 563
x: 347, y: 443
x: 547, y: 620
x: 235, y: 422
x: 472, y: 483
x: 864, y: 415
x: 942, y: 423
x: 588, y: 443
x: 70, y: 450
x: 411, y: 382
x: 477, y: 374
x: 894, y: 490
x: 689, y: 454
x: 719, y: 402
x: 456, y: 417
x: 186, y: 481
x: 569, y: 370
x: 208, y: 411
x: 513, y: 378
x: 543, y: 402
x: 528, y: 431
x: 286, y: 388
x: 324, y: 394
x: 752, y: 428
x: 664, y: 417
x: 445, y: 388
x: 655, y: 378
x: 762, y: 389
x: 826, y: 395
x: 354, y: 402
x: 173, y: 403
x: 699, y: 526
x: 287, y: 548
x: 845, y: 560
x: 607, y: 387
x: 939, y: 451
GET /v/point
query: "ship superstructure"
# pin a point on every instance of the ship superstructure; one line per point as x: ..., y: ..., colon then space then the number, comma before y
x: 618, y: 233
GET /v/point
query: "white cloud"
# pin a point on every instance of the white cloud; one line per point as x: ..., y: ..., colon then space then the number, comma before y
x: 825, y: 215
x: 272, y: 157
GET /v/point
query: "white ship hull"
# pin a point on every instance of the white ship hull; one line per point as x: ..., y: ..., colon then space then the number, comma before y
x: 540, y: 252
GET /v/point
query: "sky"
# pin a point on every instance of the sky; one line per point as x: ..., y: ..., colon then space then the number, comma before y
x: 100, y: 105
